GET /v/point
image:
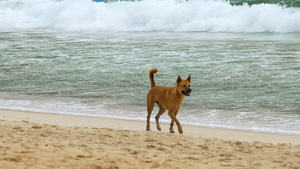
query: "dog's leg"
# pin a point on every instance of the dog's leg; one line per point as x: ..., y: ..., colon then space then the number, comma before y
x: 172, y: 123
x: 176, y: 112
x: 172, y: 114
x: 171, y: 127
x: 150, y: 105
x: 160, y: 112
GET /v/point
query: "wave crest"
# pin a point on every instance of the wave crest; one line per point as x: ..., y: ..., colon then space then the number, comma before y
x: 148, y: 15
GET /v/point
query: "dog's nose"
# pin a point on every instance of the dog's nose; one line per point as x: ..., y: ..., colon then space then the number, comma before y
x: 190, y: 90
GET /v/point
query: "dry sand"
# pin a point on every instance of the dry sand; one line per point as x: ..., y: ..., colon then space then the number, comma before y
x: 39, y: 140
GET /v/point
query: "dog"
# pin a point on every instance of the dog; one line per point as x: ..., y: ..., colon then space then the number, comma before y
x: 167, y: 98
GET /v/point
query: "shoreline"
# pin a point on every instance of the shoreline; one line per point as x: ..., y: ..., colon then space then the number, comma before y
x: 194, y: 131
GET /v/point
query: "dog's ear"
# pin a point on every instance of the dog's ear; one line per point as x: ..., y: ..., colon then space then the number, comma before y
x: 179, y: 79
x: 189, y: 78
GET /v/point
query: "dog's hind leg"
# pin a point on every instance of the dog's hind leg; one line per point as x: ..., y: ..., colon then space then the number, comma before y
x: 150, y: 105
x: 160, y: 112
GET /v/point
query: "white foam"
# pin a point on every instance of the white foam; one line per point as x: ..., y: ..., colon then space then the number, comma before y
x: 147, y: 15
x: 245, y: 121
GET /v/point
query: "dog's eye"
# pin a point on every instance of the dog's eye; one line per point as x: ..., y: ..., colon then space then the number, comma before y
x: 184, y: 85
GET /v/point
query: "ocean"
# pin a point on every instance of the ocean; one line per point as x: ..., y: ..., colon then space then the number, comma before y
x: 78, y: 57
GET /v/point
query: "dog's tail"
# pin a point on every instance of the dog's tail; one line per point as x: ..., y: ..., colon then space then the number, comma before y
x: 151, y: 77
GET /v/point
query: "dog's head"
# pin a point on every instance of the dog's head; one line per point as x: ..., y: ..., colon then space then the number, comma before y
x: 184, y: 86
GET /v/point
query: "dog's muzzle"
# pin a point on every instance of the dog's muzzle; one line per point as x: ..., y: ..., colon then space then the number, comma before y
x: 187, y: 92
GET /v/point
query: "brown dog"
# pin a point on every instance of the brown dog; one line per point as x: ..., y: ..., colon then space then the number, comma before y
x: 167, y: 98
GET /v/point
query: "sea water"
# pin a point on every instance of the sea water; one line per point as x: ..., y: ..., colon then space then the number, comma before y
x: 84, y: 58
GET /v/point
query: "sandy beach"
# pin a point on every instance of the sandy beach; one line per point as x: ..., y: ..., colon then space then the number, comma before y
x: 41, y: 140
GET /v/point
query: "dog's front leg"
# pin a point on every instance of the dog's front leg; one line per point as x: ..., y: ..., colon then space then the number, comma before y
x: 172, y: 124
x: 172, y: 114
x: 171, y: 127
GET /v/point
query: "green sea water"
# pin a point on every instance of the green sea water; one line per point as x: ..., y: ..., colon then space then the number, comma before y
x: 236, y: 78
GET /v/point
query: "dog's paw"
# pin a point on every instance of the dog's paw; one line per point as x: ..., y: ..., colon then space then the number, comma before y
x: 158, y: 127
